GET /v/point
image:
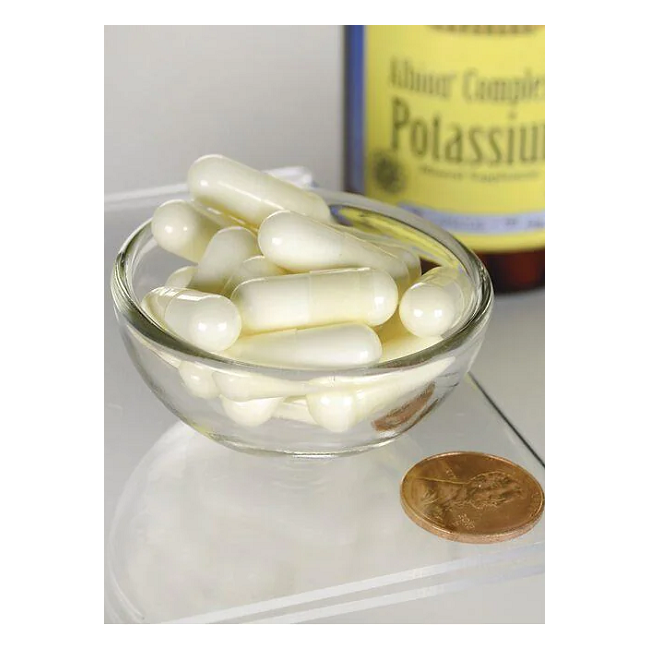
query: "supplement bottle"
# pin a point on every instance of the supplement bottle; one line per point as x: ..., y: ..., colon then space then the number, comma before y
x: 447, y: 121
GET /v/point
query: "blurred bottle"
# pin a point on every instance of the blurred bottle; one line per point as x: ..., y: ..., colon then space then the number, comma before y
x: 447, y: 121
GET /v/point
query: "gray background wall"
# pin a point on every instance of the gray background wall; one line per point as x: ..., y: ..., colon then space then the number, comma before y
x: 266, y: 95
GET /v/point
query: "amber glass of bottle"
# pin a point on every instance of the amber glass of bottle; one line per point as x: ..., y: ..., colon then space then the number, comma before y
x: 447, y: 121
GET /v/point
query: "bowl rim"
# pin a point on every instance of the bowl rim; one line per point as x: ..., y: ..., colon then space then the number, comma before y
x: 128, y: 306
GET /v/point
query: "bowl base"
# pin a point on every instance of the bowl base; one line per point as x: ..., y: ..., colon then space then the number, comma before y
x: 314, y: 454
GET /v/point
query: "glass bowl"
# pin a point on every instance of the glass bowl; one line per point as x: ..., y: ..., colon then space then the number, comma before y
x: 359, y: 408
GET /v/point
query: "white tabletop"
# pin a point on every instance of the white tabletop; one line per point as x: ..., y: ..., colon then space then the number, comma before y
x: 509, y: 369
x: 510, y: 366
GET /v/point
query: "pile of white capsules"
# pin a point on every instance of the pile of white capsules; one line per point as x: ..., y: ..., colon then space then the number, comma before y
x: 277, y: 282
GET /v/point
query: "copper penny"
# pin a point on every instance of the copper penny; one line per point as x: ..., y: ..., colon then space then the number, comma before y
x: 471, y: 497
x: 401, y: 415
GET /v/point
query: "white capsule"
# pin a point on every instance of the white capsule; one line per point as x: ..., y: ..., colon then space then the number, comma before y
x: 295, y: 409
x: 221, y: 219
x: 181, y: 278
x: 334, y: 410
x: 340, y: 409
x: 149, y: 308
x: 241, y: 386
x: 397, y: 341
x: 198, y: 380
x: 332, y: 347
x: 299, y: 245
x: 434, y: 305
x: 318, y: 298
x: 394, y: 247
x: 181, y: 230
x: 247, y: 193
x: 409, y: 344
x: 407, y: 256
x: 225, y: 252
x: 251, y: 269
x: 251, y: 413
x: 209, y: 322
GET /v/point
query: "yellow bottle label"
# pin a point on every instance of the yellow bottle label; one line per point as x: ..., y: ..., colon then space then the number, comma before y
x: 454, y: 129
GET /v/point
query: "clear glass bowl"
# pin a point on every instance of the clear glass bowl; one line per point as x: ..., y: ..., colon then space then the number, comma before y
x: 388, y: 398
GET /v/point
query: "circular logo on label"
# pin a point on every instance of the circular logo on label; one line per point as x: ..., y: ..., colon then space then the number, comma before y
x: 389, y: 173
